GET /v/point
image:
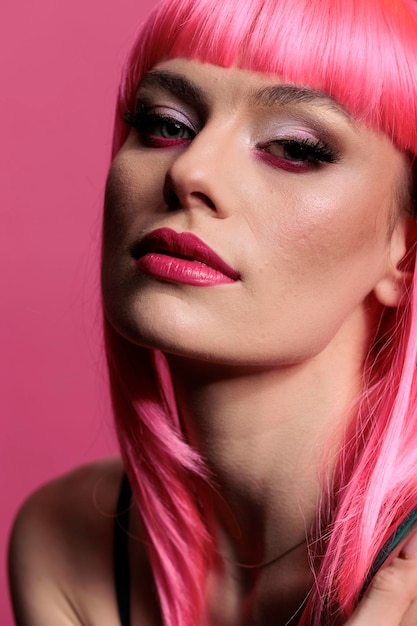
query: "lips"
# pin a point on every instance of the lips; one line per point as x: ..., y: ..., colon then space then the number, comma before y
x: 183, y: 246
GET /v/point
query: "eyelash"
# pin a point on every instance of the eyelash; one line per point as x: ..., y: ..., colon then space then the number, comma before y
x: 146, y: 122
x: 312, y: 153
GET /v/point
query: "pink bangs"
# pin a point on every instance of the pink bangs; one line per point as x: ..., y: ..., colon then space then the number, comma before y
x: 361, y: 52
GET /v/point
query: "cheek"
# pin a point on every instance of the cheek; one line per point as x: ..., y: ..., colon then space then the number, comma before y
x: 121, y: 211
x: 132, y: 189
x: 116, y: 205
x: 322, y: 229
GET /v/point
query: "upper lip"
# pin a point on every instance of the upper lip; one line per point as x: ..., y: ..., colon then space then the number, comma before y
x: 184, y: 245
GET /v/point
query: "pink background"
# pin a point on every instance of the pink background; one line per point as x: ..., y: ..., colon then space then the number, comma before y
x: 59, y: 67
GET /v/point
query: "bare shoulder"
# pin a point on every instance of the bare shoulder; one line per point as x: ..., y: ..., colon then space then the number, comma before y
x: 60, y: 556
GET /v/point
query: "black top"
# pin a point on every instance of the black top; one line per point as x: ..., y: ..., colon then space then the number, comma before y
x: 397, y: 536
x: 121, y: 550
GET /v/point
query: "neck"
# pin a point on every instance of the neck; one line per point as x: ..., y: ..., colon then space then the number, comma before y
x: 269, y: 437
x: 262, y: 433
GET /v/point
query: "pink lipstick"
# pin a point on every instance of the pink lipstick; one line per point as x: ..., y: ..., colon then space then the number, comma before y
x: 182, y: 258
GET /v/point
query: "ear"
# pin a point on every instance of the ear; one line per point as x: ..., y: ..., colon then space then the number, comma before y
x: 392, y: 287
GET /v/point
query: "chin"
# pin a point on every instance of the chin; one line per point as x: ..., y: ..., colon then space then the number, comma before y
x: 210, y: 347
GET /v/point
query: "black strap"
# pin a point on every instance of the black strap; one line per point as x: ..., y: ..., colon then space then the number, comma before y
x: 397, y: 536
x: 121, y: 568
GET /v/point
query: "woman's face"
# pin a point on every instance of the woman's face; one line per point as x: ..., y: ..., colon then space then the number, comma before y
x: 298, y: 202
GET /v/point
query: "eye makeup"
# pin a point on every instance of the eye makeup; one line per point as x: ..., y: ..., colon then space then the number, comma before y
x: 160, y: 127
x: 287, y: 136
x: 295, y: 154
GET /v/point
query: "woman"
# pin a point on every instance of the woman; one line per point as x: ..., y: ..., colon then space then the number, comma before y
x: 258, y: 263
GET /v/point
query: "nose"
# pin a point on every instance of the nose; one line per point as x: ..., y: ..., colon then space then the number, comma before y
x: 196, y: 179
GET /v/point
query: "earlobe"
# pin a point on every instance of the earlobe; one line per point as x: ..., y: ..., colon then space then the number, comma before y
x: 390, y: 291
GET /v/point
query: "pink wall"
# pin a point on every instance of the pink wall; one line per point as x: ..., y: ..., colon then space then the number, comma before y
x: 59, y: 66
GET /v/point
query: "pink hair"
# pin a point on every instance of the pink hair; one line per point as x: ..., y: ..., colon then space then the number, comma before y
x: 364, y: 54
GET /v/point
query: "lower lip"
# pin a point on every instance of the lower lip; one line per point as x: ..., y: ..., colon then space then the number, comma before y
x: 182, y: 271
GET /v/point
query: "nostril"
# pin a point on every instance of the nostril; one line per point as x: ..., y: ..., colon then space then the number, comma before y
x: 184, y: 196
x: 174, y: 203
x: 206, y: 200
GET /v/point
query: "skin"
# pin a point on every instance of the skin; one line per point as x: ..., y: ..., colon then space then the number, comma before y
x: 265, y: 368
x: 294, y: 237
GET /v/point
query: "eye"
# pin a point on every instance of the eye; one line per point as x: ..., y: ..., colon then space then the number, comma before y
x: 171, y: 129
x: 302, y: 151
x: 298, y: 155
x: 159, y: 129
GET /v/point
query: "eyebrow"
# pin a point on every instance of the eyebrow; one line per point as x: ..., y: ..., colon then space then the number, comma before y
x: 287, y: 94
x: 176, y: 84
x: 283, y: 94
